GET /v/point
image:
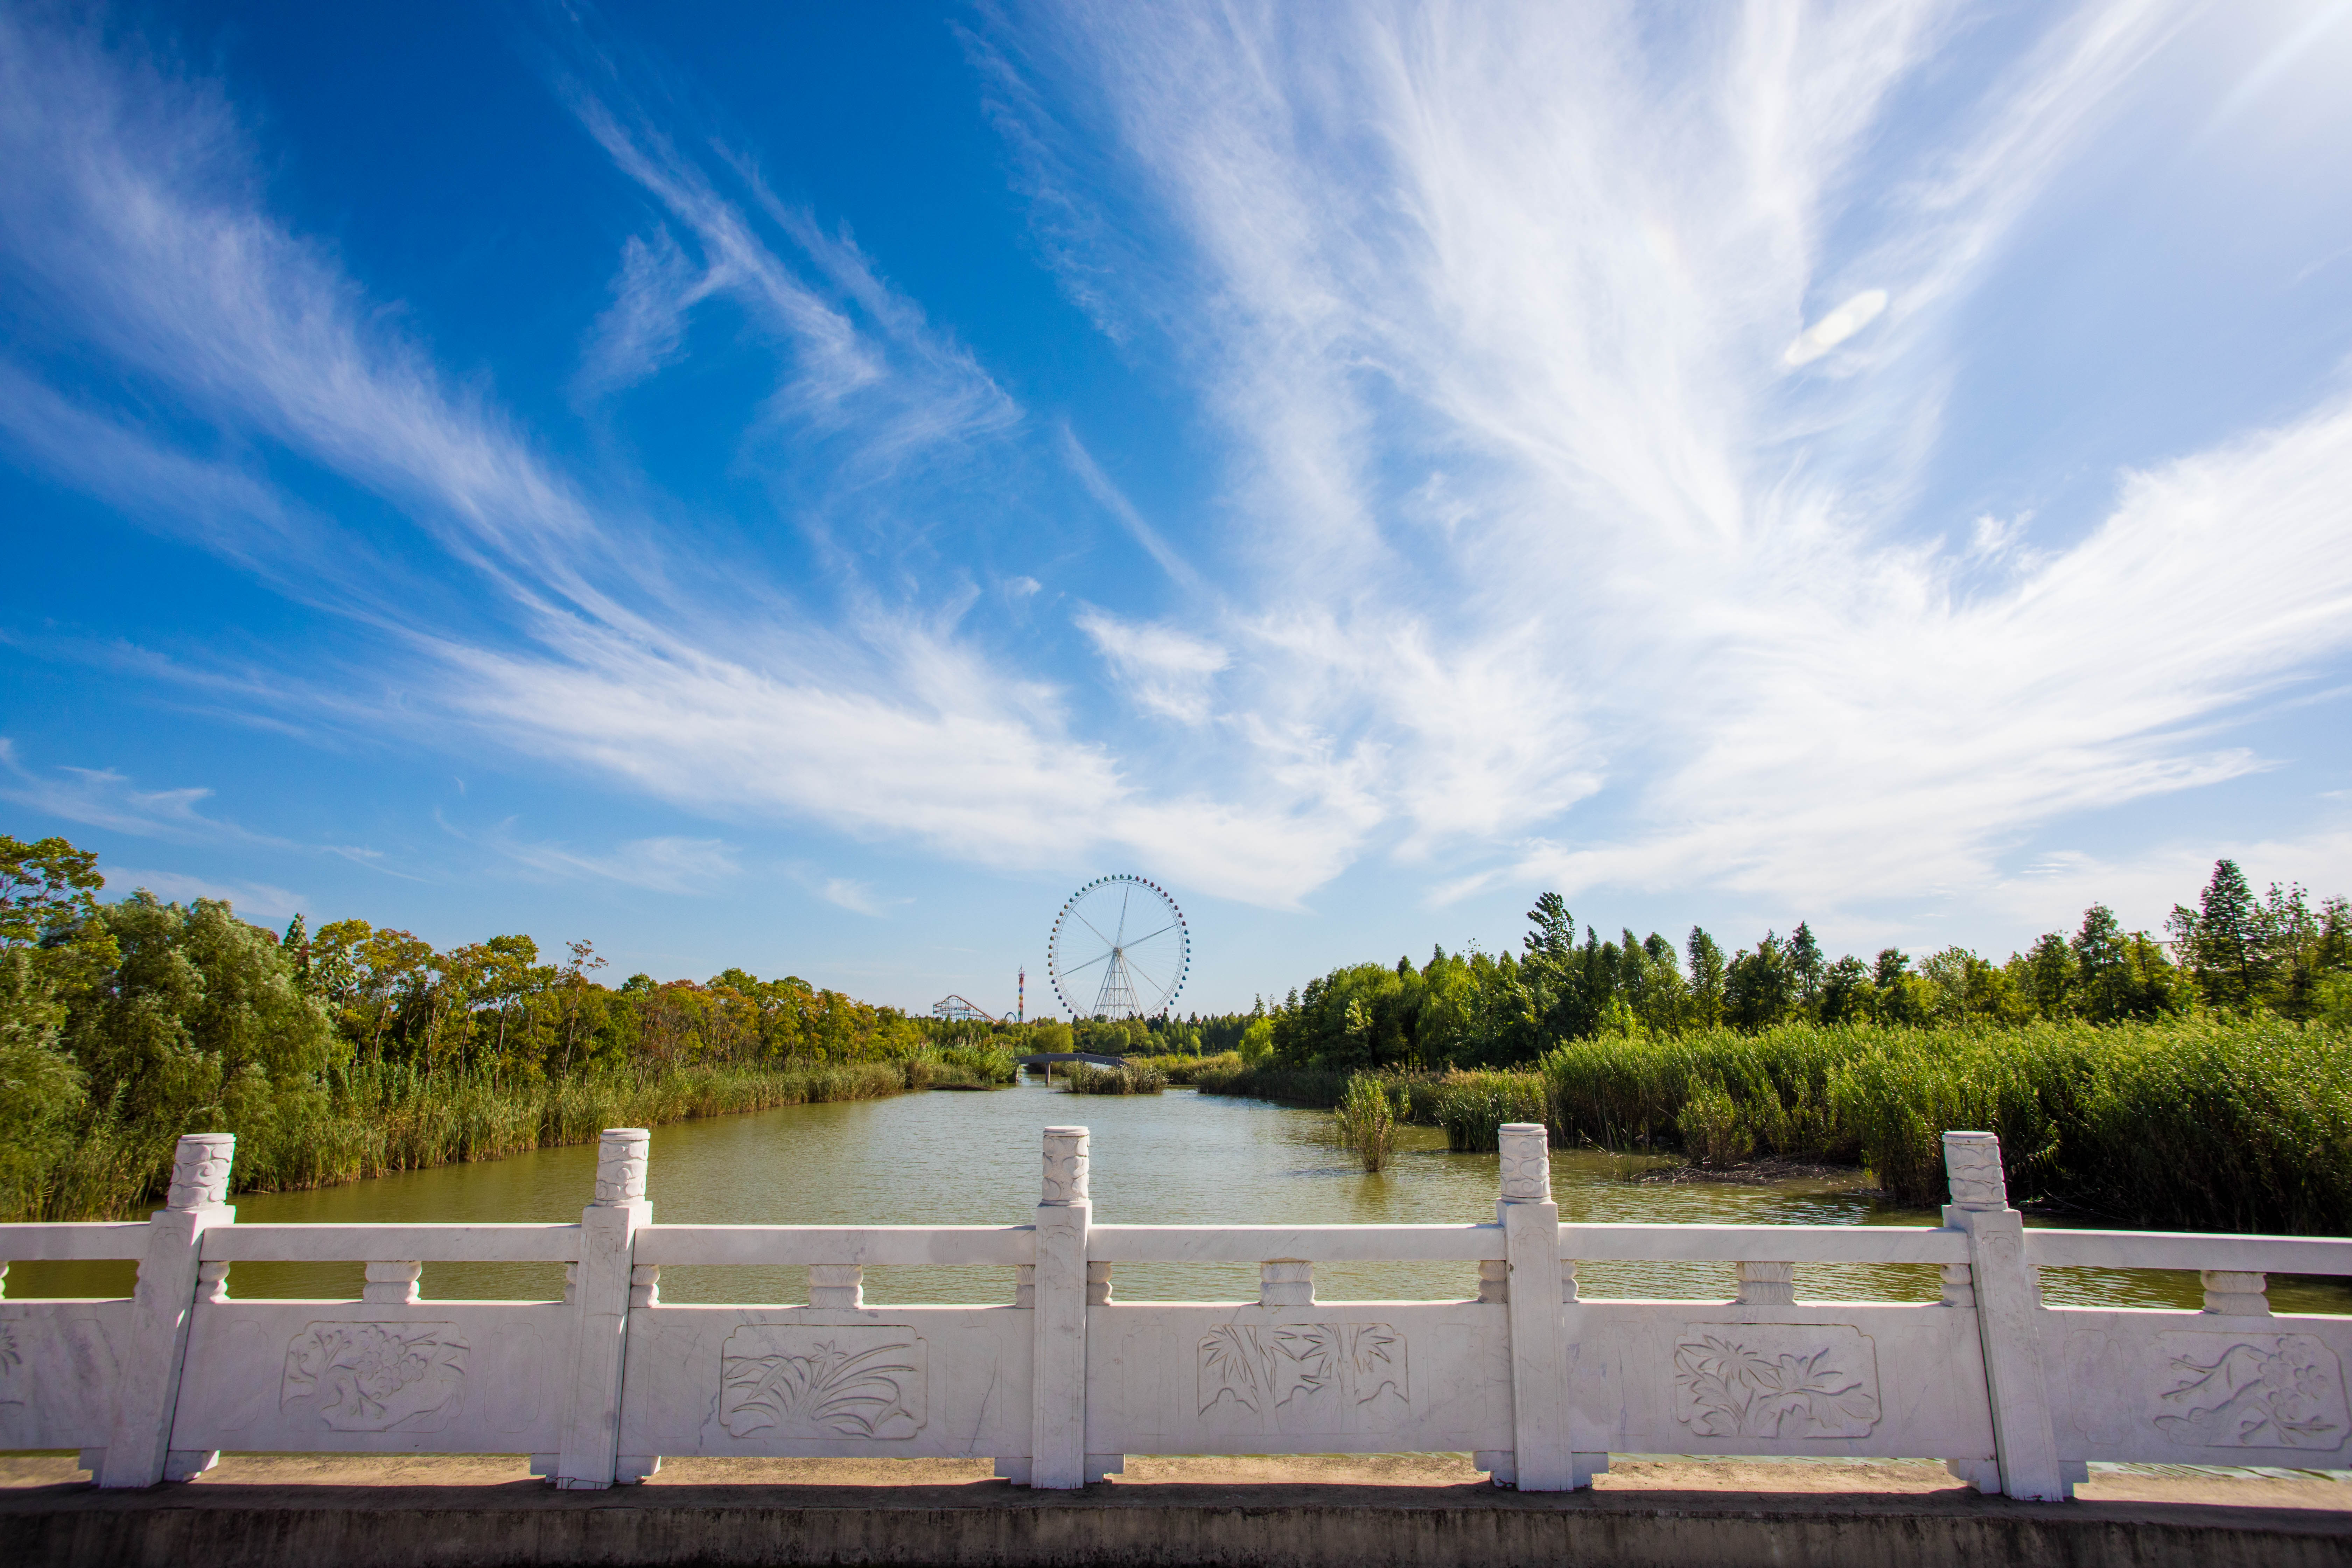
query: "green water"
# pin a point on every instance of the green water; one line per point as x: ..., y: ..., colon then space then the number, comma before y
x: 1179, y: 1158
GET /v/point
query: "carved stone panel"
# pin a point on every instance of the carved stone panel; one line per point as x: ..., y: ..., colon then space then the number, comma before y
x: 1303, y: 1377
x: 375, y: 1377
x: 2248, y: 1390
x: 1776, y: 1379
x: 13, y: 1398
x: 799, y: 1381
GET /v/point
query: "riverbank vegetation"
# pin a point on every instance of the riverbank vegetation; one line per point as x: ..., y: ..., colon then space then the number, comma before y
x: 1136, y: 1078
x: 1365, y: 1122
x: 2201, y: 1081
x: 356, y: 1050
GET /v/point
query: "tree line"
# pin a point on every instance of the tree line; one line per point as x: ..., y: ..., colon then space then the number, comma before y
x: 125, y: 1023
x: 2233, y: 953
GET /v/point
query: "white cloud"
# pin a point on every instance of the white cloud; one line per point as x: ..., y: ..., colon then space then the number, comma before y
x: 1836, y: 326
x: 135, y: 219
x: 852, y: 895
x: 1521, y: 517
x: 1115, y: 501
x: 1559, y: 255
x: 101, y: 797
x: 251, y: 900
x: 664, y: 865
x: 1166, y: 671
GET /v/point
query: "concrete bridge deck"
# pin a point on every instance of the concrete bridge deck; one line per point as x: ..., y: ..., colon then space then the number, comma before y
x: 1347, y: 1511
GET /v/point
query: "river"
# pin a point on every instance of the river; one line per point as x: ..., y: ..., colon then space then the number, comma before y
x: 1179, y: 1158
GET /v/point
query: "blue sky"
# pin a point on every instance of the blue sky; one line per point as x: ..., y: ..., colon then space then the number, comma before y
x: 804, y: 486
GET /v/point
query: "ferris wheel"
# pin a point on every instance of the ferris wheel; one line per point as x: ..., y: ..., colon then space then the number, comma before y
x: 1119, y: 948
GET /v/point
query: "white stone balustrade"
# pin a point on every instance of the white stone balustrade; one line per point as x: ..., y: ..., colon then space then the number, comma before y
x: 1539, y: 1381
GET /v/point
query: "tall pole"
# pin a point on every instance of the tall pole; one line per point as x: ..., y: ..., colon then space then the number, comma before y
x: 1021, y: 1007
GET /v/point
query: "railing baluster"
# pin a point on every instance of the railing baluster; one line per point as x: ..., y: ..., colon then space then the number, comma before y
x: 1286, y: 1282
x: 2236, y: 1293
x: 837, y: 1287
x: 1959, y: 1286
x: 394, y: 1283
x: 1767, y: 1285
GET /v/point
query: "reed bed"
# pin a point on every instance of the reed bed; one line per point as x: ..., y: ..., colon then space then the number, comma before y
x: 1365, y: 1120
x: 2199, y: 1124
x: 370, y: 1121
x: 1136, y: 1078
x: 1192, y: 1069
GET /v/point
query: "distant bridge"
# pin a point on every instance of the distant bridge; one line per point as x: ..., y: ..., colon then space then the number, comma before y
x: 1041, y: 1058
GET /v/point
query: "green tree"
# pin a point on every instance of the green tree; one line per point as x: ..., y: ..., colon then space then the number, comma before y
x: 1706, y: 979
x: 1807, y: 969
x: 2224, y: 941
x: 1848, y: 995
x: 1760, y: 988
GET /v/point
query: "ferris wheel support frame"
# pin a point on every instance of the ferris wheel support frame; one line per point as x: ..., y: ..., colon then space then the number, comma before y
x: 1116, y: 996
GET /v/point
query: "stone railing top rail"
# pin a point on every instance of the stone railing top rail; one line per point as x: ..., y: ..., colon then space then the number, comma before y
x: 2188, y: 1250
x: 73, y: 1241
x: 896, y: 1245
x: 1315, y: 1243
x: 388, y: 1243
x: 867, y: 1245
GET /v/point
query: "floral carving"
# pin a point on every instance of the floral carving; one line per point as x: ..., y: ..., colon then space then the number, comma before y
x: 377, y: 1377
x: 1745, y: 1379
x: 2262, y: 1391
x: 1302, y: 1377
x: 821, y: 1382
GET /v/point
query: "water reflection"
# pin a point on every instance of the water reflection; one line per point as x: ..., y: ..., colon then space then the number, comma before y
x: 1178, y: 1159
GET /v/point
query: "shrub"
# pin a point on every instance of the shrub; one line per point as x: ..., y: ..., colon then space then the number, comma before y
x: 1473, y: 1106
x: 1365, y: 1122
x: 1134, y: 1079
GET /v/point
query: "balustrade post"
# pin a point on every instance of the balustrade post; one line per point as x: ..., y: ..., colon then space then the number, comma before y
x: 1542, y: 1459
x: 599, y: 1294
x: 2024, y: 1439
x: 1057, y: 1433
x: 139, y: 1450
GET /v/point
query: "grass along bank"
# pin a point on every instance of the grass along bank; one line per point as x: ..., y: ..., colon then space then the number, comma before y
x: 1136, y: 1078
x: 371, y: 1120
x: 2202, y: 1123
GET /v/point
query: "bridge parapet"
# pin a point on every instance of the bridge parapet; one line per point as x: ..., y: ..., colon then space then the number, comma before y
x: 1541, y: 1383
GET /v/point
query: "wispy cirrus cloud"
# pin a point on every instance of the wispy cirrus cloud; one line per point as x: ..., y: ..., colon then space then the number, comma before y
x: 249, y: 898
x: 668, y: 864
x: 1576, y: 376
x: 101, y: 797
x: 1495, y: 303
x: 140, y: 231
